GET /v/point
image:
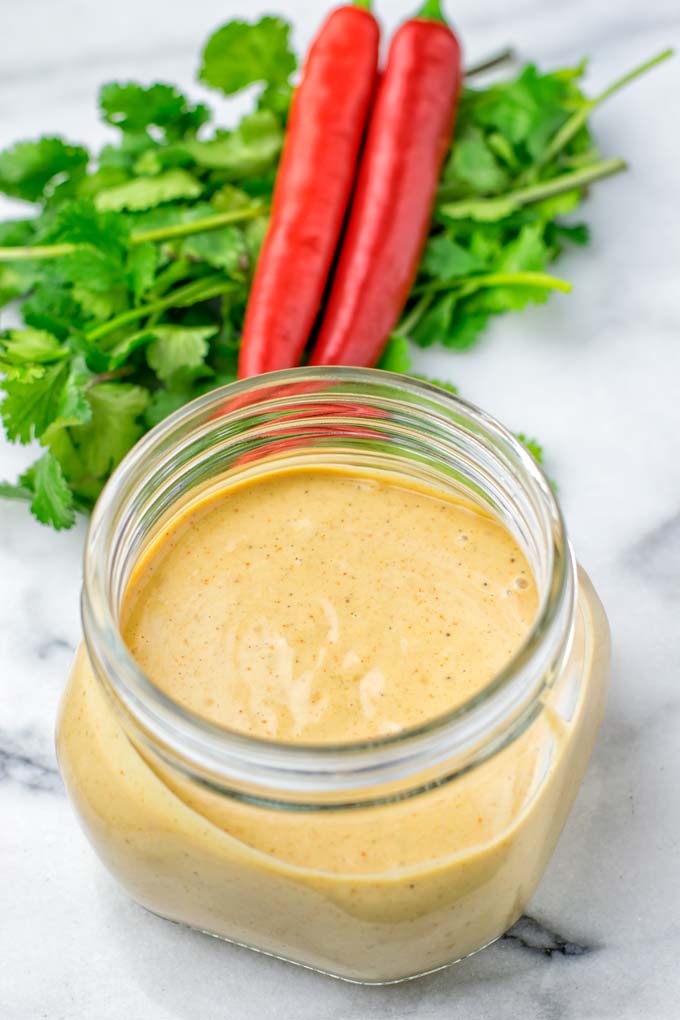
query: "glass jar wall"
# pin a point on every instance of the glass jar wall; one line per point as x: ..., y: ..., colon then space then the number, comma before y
x: 375, y: 861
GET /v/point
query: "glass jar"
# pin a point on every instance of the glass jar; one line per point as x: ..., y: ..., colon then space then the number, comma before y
x: 248, y: 839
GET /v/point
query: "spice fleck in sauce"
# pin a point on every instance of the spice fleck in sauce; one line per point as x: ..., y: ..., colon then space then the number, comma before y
x: 317, y: 606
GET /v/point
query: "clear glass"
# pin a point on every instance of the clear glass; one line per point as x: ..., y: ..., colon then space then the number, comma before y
x: 243, y: 837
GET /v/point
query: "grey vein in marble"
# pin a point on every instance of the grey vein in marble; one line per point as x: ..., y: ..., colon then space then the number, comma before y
x: 656, y: 556
x: 25, y: 760
x: 53, y: 645
x: 533, y: 935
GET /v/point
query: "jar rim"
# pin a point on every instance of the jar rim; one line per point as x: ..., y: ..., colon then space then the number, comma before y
x: 468, y: 733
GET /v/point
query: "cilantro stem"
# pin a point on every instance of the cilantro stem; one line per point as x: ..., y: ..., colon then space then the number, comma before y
x: 198, y: 226
x: 115, y: 373
x: 55, y: 251
x: 177, y: 270
x: 520, y: 279
x: 503, y: 205
x: 415, y: 315
x: 632, y: 75
x: 9, y: 491
x: 38, y: 251
x: 198, y: 290
x: 505, y: 56
x: 577, y: 120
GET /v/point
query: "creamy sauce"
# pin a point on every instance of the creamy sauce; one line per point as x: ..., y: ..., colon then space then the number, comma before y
x: 314, y: 606
x: 320, y: 607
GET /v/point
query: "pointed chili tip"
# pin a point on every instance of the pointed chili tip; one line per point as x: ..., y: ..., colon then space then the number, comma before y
x: 432, y: 11
x: 365, y: 5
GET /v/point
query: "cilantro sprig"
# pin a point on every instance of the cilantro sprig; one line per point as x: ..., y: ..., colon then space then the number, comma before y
x: 522, y: 161
x: 133, y: 265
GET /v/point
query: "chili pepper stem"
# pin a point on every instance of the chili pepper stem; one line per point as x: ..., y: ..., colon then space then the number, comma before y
x: 365, y: 5
x: 432, y: 11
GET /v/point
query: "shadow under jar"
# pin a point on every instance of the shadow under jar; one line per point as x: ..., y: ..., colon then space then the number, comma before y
x: 204, y: 825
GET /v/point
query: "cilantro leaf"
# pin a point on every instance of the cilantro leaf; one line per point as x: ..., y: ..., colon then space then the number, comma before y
x: 140, y: 268
x: 134, y: 108
x: 147, y: 192
x: 74, y: 405
x: 558, y: 205
x: 396, y: 356
x: 50, y: 395
x: 89, y: 274
x: 528, y: 251
x: 51, y: 497
x: 95, y: 304
x: 125, y: 156
x: 229, y: 197
x: 532, y: 445
x: 445, y: 258
x: 31, y: 405
x: 52, y: 308
x: 28, y: 168
x: 98, y: 271
x: 80, y: 222
x: 14, y: 232
x: 165, y: 402
x: 126, y: 346
x: 224, y: 249
x: 434, y: 325
x: 527, y: 111
x: 114, y: 427
x: 277, y: 98
x: 249, y: 150
x: 577, y: 233
x: 449, y: 387
x: 16, y: 279
x: 474, y: 165
x: 255, y: 232
x: 103, y: 177
x: 34, y: 345
x: 240, y: 54
x: 465, y: 327
x: 177, y: 354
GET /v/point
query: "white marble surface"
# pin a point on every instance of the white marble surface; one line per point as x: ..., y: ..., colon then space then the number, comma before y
x: 595, y: 375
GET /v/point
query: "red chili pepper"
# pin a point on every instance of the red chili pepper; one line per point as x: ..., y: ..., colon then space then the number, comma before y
x: 409, y: 133
x: 312, y: 192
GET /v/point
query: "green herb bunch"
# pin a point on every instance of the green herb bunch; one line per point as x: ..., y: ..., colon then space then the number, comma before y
x: 134, y: 265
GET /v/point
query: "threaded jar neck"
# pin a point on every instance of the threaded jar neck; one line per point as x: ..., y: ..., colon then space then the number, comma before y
x: 357, y: 418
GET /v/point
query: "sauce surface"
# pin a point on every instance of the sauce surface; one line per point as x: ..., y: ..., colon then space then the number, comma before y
x: 317, y: 606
